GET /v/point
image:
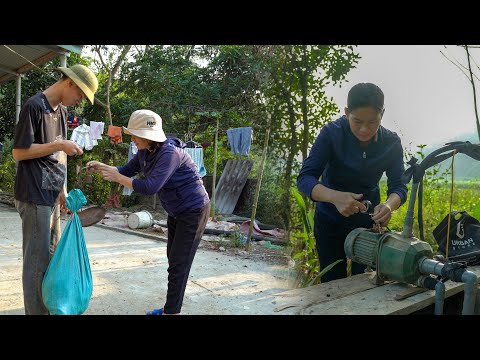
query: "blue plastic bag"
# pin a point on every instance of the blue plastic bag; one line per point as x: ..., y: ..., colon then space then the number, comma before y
x: 67, y: 285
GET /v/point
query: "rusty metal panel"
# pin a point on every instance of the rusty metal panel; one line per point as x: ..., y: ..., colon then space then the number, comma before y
x: 231, y: 184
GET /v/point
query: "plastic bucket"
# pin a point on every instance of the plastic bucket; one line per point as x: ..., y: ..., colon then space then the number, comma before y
x: 140, y: 220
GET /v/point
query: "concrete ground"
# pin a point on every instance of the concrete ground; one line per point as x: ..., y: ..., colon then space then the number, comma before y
x: 129, y: 274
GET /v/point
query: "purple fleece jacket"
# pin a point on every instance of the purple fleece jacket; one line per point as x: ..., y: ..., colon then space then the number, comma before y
x: 170, y: 172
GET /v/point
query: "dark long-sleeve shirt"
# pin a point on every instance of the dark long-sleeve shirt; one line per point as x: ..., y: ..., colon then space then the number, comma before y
x: 170, y: 172
x: 344, y: 165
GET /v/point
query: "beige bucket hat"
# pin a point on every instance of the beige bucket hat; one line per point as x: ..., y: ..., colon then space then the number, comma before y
x: 83, y: 77
x: 145, y: 124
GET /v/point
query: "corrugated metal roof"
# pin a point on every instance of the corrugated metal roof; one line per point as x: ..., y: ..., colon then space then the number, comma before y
x: 231, y: 184
x: 18, y: 59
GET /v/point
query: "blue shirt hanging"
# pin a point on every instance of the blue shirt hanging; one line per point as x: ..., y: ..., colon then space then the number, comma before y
x: 240, y: 140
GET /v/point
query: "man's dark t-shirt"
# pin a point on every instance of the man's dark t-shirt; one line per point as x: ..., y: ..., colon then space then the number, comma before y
x: 40, y: 180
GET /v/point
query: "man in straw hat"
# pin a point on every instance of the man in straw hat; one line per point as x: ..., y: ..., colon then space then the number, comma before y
x: 40, y: 147
x: 170, y: 172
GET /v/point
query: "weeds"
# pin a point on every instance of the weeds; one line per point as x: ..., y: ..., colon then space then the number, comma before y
x: 304, y: 251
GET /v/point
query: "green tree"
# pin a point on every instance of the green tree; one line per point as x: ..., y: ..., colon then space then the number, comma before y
x: 300, y: 106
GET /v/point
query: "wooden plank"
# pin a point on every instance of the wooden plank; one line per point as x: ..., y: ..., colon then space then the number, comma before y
x: 231, y: 184
x: 357, y: 295
x: 297, y: 301
x: 381, y: 301
x: 410, y: 292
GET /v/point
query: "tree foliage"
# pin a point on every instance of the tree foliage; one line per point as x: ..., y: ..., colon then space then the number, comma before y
x: 193, y: 86
x: 298, y: 100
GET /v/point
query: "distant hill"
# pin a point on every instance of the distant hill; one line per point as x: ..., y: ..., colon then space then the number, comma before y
x: 466, y: 168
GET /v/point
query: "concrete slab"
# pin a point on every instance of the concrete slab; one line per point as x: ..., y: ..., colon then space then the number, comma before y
x: 130, y: 275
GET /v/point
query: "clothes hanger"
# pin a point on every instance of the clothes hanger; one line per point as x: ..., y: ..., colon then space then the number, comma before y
x: 192, y: 144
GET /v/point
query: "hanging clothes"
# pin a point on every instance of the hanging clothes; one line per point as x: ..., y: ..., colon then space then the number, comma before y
x: 96, y: 130
x: 81, y: 135
x: 132, y: 151
x: 192, y: 144
x: 197, y: 156
x: 115, y: 134
x: 240, y: 140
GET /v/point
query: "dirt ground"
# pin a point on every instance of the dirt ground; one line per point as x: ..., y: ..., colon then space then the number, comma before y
x: 129, y: 270
x: 261, y: 250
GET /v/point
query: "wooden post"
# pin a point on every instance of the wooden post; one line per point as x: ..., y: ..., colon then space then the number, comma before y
x: 259, y: 182
x: 78, y: 173
x: 212, y: 208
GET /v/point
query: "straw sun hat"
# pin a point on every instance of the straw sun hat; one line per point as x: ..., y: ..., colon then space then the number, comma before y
x: 83, y: 77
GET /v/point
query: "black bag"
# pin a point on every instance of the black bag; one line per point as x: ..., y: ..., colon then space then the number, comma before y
x: 464, y: 238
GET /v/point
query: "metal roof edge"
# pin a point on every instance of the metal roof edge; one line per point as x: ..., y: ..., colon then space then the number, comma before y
x: 77, y: 49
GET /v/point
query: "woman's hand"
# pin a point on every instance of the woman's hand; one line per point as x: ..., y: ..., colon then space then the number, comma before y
x: 382, y: 213
x: 347, y: 203
x: 109, y: 173
x: 93, y: 166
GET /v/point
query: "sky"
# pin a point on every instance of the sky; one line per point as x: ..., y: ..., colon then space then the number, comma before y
x: 428, y: 100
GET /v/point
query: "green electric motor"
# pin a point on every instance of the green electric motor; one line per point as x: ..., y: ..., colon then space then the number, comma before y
x: 393, y: 256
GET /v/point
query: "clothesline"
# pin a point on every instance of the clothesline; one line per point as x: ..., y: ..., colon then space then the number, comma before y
x: 223, y: 131
x: 254, y: 127
x: 199, y: 109
x: 239, y: 139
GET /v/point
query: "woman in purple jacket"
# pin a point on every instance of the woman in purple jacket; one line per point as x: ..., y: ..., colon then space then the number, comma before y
x: 169, y: 171
x: 350, y: 156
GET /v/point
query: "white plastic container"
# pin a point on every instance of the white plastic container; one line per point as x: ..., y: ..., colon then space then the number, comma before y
x: 140, y: 220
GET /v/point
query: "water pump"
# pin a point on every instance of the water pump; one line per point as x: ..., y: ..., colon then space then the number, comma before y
x: 402, y: 257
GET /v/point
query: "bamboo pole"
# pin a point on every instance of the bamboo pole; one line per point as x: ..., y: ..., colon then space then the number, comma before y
x: 212, y: 208
x: 56, y: 228
x: 259, y: 182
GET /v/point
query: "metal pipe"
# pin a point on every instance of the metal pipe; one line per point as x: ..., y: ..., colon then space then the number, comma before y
x: 429, y: 266
x: 429, y: 282
x: 470, y: 292
x: 18, y: 97
x: 63, y: 59
x: 477, y: 303
x: 408, y: 222
x: 439, y: 297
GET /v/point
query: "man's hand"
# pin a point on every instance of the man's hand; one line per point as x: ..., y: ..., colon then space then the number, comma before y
x: 70, y: 147
x: 62, y: 201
